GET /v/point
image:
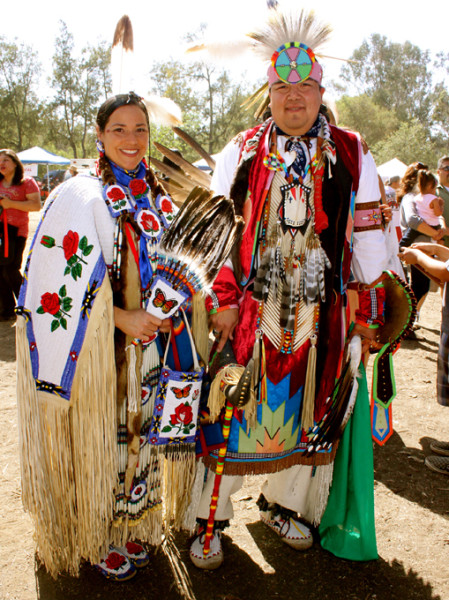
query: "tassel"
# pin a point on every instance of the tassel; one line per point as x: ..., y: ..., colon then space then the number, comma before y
x: 200, y: 330
x: 133, y: 384
x: 260, y: 374
x: 308, y: 404
x: 229, y: 375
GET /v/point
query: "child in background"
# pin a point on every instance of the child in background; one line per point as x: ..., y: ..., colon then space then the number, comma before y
x: 428, y: 206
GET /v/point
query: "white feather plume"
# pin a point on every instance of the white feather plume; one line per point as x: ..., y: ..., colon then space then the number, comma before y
x: 163, y: 110
x: 122, y: 57
x: 281, y: 26
x: 224, y: 49
x: 355, y: 353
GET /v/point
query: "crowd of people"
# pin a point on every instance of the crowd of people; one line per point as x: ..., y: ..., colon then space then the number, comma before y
x: 94, y: 480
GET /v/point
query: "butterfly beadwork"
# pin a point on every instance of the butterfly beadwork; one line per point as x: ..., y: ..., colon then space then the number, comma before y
x: 181, y: 392
x: 160, y: 301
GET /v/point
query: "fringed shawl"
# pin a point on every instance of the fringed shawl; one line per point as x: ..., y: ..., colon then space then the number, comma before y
x: 66, y: 382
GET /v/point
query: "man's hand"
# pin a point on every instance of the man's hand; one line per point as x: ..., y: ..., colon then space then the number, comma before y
x: 387, y: 213
x: 223, y: 325
x: 368, y: 337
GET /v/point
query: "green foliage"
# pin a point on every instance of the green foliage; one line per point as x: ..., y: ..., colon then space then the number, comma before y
x: 398, y: 109
x: 411, y: 142
x: 396, y: 76
x: 210, y: 104
x: 19, y: 105
x: 389, y: 96
x: 361, y: 113
x: 80, y: 86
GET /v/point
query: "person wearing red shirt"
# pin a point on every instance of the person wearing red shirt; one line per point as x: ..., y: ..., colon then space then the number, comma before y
x: 19, y: 195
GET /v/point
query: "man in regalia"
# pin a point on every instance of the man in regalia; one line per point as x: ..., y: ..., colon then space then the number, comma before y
x: 309, y: 195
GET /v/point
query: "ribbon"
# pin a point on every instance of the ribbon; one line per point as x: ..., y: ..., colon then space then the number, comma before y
x: 5, y: 233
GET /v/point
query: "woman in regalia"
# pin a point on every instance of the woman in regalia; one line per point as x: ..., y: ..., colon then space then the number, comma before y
x: 88, y: 363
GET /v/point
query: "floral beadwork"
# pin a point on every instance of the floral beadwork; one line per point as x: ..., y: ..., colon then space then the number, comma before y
x: 116, y: 199
x: 149, y: 223
x: 71, y: 243
x: 166, y: 208
x: 138, y: 188
x: 58, y: 305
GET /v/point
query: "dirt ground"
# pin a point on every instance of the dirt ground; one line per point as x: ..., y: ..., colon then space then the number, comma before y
x: 412, y: 510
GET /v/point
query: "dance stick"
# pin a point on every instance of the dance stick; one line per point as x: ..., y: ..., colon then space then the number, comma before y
x: 229, y: 409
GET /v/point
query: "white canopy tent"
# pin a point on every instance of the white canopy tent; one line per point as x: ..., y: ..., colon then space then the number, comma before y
x: 40, y: 156
x: 391, y: 168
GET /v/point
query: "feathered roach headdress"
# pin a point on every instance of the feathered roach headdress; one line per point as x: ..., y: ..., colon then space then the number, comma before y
x: 290, y: 43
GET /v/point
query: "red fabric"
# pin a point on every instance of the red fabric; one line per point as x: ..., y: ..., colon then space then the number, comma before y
x: 348, y: 148
x: 18, y: 193
x: 245, y: 337
x: 370, y: 313
x: 132, y: 244
x: 226, y: 289
x: 5, y: 233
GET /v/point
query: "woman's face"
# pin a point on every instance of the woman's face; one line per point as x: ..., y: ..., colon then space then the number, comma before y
x: 7, y: 166
x: 126, y: 136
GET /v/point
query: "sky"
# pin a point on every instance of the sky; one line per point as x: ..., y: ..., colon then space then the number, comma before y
x: 159, y: 27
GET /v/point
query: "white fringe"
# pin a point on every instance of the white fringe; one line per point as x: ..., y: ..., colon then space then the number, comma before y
x: 69, y: 448
x: 318, y: 493
x: 133, y: 388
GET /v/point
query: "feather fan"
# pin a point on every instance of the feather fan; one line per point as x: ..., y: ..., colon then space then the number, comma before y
x: 341, y: 402
x: 193, y: 249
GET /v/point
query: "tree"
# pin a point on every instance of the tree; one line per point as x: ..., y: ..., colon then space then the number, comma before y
x: 410, y: 143
x: 19, y: 105
x: 395, y: 76
x: 362, y: 114
x: 79, y: 85
x: 210, y: 103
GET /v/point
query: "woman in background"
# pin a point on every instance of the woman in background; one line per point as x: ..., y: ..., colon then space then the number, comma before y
x: 19, y: 195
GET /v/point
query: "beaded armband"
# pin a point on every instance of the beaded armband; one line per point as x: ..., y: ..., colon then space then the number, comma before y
x: 367, y: 216
x: 220, y: 309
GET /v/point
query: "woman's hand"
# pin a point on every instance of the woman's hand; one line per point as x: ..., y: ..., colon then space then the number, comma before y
x: 441, y: 252
x: 5, y: 202
x: 223, y: 324
x: 410, y: 255
x: 139, y: 323
x: 32, y: 203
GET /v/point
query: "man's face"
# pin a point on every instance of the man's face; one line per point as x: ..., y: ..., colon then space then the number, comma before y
x: 443, y: 173
x: 295, y: 107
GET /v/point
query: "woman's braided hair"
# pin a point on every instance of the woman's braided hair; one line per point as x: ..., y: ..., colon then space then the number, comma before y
x: 103, y: 116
